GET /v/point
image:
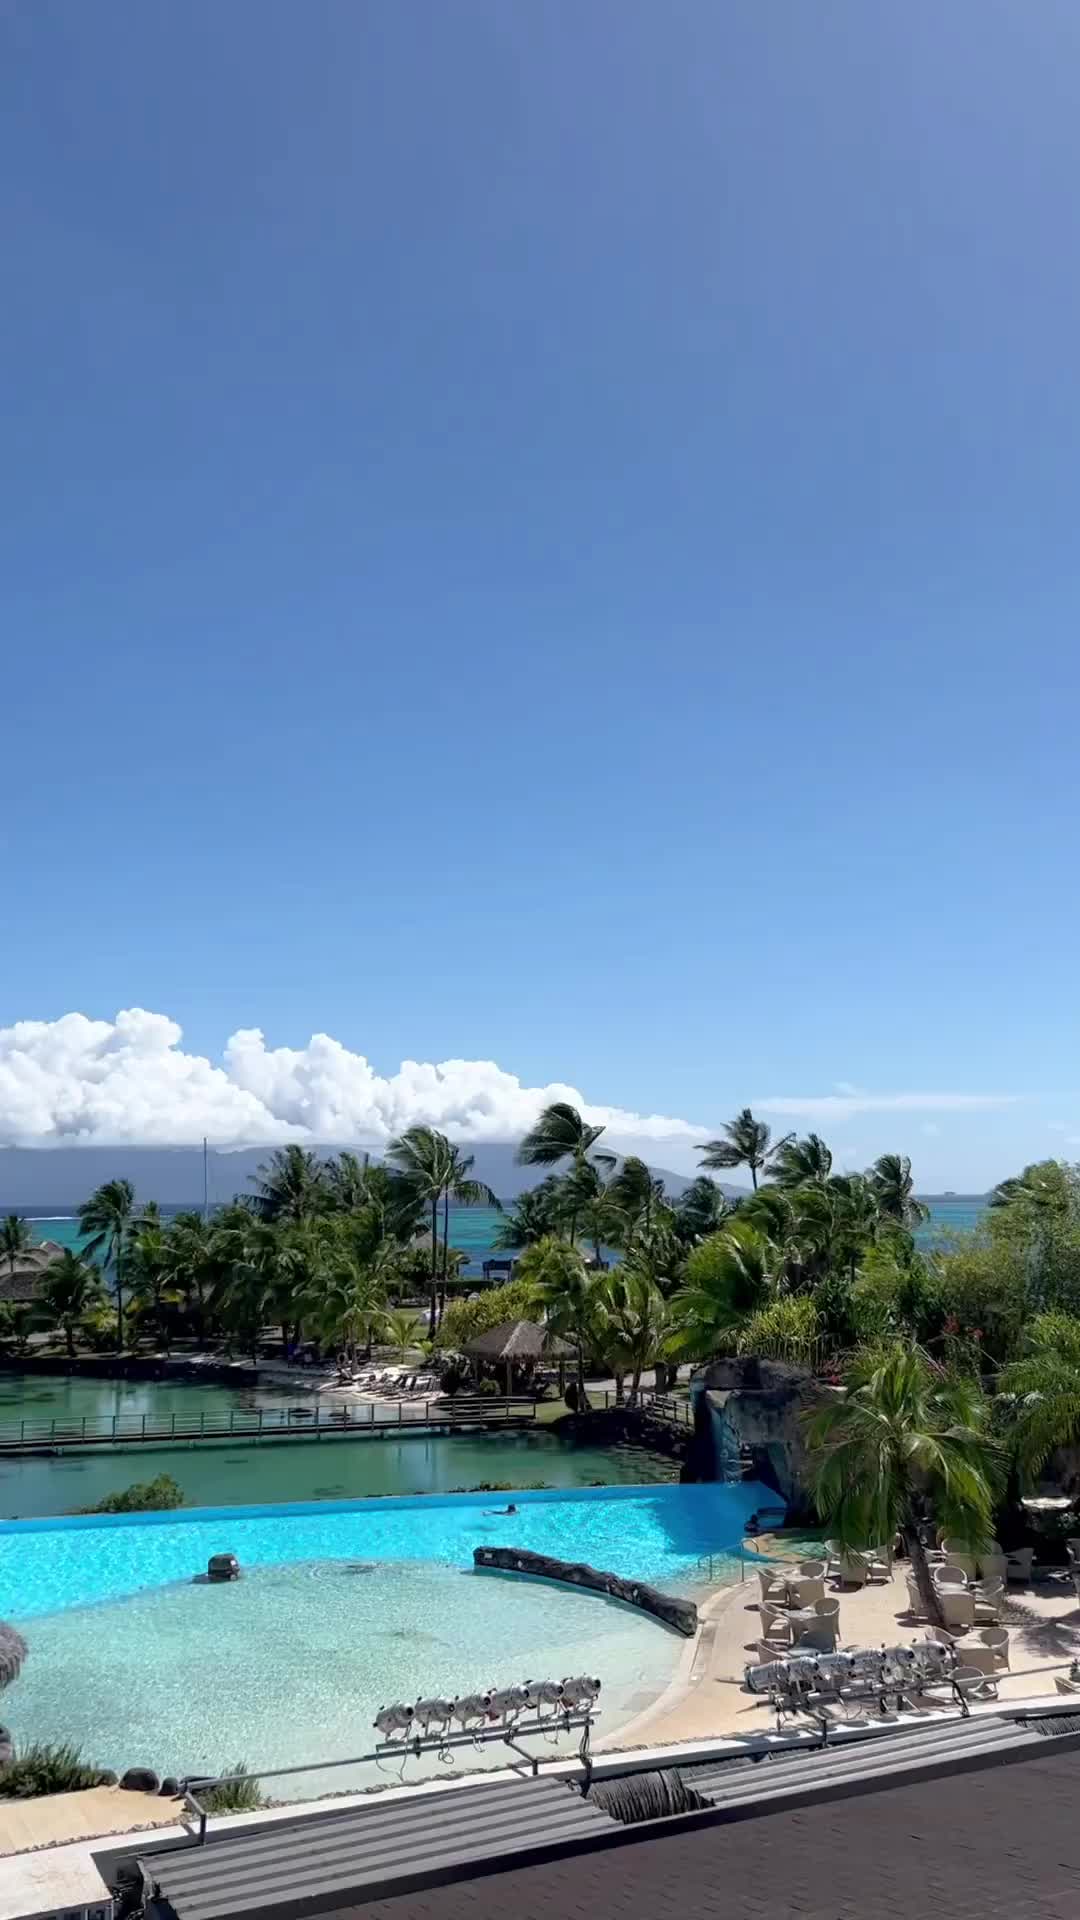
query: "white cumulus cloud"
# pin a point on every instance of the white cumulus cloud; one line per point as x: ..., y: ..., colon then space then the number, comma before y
x: 76, y: 1081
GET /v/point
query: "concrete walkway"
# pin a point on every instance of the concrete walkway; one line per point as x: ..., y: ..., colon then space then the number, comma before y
x: 26, y: 1825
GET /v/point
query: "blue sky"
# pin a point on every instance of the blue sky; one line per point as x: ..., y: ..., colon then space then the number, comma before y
x: 547, y: 535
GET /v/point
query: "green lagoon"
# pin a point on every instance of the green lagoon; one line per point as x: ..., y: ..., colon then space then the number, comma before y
x: 253, y: 1474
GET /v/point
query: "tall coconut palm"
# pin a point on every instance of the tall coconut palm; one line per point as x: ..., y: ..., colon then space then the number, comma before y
x: 562, y: 1134
x: 16, y: 1237
x: 894, y: 1191
x: 563, y: 1290
x: 152, y: 1275
x: 745, y: 1142
x: 194, y: 1259
x: 289, y: 1186
x: 70, y: 1289
x: 460, y: 1186
x: 901, y: 1441
x: 423, y: 1155
x: 636, y: 1193
x: 106, y: 1221
x: 795, y: 1163
x: 702, y: 1209
x: 637, y: 1318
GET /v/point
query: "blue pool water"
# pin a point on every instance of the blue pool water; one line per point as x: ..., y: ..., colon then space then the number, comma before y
x: 655, y: 1533
x: 341, y: 1609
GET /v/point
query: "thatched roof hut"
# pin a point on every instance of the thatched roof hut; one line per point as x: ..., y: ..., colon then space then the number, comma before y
x: 515, y: 1341
x: 20, y: 1287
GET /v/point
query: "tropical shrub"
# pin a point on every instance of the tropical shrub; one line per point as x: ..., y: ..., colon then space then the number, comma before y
x: 142, y: 1497
x: 465, y: 1319
x: 788, y: 1329
x: 41, y: 1767
x: 242, y: 1795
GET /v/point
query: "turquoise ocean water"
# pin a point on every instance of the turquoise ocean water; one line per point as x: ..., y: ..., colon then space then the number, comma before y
x: 472, y: 1229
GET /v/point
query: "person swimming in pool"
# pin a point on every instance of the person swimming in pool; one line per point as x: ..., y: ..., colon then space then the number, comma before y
x: 494, y: 1511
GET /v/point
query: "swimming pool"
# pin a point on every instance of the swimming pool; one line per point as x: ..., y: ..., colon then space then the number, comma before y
x: 341, y: 1609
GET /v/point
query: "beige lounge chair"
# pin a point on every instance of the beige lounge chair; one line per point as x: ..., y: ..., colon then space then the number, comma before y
x: 972, y: 1682
x: 1065, y: 1685
x: 812, y: 1569
x: 949, y: 1576
x: 957, y: 1607
x: 972, y: 1653
x: 827, y: 1608
x: 1019, y: 1565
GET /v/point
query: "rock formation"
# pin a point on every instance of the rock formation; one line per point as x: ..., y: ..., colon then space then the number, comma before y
x: 679, y: 1614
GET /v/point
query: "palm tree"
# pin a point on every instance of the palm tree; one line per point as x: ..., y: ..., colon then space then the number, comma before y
x: 701, y: 1210
x: 152, y: 1272
x: 636, y: 1316
x: 728, y: 1276
x: 636, y: 1193
x: 902, y: 1437
x: 16, y: 1237
x: 1045, y: 1384
x: 351, y: 1305
x: 106, y: 1220
x: 70, y: 1288
x: 532, y: 1215
x: 401, y: 1330
x: 461, y: 1186
x: 424, y: 1156
x: 745, y: 1143
x: 567, y: 1295
x: 194, y: 1258
x: 890, y: 1179
x: 561, y: 1134
x: 346, y: 1181
x: 289, y: 1186
x: 797, y: 1162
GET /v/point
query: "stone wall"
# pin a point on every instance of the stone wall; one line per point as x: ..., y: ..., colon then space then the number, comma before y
x: 672, y: 1612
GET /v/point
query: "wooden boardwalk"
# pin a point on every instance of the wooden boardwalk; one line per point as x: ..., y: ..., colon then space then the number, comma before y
x: 365, y: 1420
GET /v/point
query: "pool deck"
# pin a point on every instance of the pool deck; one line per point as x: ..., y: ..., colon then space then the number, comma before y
x: 705, y: 1696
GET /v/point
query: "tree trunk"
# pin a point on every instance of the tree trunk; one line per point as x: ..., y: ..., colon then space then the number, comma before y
x: 445, y: 1250
x: 620, y: 1386
x: 285, y: 1339
x: 583, y: 1398
x: 753, y: 1173
x: 69, y: 1334
x: 433, y: 1317
x: 928, y: 1593
x: 635, y: 1386
x: 119, y: 1299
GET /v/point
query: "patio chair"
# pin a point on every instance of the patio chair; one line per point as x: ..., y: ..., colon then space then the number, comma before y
x: 1018, y: 1565
x: 915, y: 1599
x: 851, y: 1570
x: 973, y: 1683
x: 1072, y: 1548
x: 942, y: 1635
x: 774, y: 1621
x: 949, y: 1576
x: 828, y: 1609
x: 992, y: 1561
x: 997, y: 1639
x: 989, y: 1599
x: 812, y: 1569
x: 773, y: 1584
x: 1065, y: 1685
x: 768, y: 1650
x: 820, y: 1639
x: 959, y: 1554
x: 804, y: 1592
x: 957, y: 1607
x: 878, y: 1563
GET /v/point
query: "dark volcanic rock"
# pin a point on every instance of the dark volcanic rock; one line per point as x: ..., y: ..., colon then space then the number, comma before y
x: 141, y: 1780
x: 679, y: 1614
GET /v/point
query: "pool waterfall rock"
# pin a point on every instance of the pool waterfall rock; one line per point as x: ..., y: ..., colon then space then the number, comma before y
x: 681, y: 1615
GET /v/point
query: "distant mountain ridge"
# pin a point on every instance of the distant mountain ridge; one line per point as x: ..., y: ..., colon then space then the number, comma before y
x: 61, y: 1178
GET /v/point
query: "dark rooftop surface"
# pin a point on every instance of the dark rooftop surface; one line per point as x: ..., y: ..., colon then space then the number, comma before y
x: 1002, y: 1842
